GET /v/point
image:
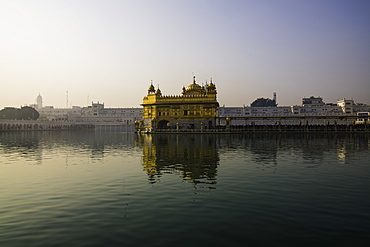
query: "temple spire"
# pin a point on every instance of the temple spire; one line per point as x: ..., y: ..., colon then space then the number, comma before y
x: 151, y: 88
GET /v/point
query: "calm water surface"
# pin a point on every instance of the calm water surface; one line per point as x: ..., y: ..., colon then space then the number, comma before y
x: 121, y: 189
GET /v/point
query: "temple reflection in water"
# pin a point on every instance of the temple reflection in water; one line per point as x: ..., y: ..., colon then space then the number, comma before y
x: 193, y: 157
x: 196, y: 157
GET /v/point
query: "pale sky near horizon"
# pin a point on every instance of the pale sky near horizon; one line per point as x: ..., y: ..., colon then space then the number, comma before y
x: 109, y: 51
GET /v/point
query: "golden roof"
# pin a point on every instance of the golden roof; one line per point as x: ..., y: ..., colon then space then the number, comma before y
x: 194, y: 88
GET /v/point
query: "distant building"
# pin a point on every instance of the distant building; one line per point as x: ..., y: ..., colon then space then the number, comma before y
x: 59, y: 114
x: 196, y: 108
x: 39, y: 102
x: 312, y: 106
x: 312, y: 101
x: 95, y: 114
x: 38, y: 105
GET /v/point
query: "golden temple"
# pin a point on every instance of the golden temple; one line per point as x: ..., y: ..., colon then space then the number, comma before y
x: 196, y: 108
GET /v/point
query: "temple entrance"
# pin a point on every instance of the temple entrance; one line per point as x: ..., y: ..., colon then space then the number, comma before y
x: 210, y: 125
x: 163, y: 124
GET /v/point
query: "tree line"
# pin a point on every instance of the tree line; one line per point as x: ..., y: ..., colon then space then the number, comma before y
x: 23, y: 113
x: 262, y: 102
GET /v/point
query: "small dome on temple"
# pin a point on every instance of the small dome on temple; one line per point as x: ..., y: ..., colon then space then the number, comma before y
x: 151, y: 88
x: 211, y: 86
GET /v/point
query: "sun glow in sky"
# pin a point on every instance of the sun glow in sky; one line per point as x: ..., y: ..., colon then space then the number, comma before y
x: 109, y: 51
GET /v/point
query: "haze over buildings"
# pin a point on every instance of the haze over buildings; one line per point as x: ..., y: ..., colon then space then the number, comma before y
x: 108, y: 51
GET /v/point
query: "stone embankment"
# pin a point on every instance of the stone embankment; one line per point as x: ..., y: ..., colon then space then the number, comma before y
x: 20, y: 125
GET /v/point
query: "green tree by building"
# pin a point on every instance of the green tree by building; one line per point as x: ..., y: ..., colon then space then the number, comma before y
x: 262, y: 102
x: 24, y: 113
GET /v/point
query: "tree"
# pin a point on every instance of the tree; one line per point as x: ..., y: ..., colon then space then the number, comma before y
x: 28, y: 113
x: 8, y: 113
x: 25, y: 113
x: 261, y: 102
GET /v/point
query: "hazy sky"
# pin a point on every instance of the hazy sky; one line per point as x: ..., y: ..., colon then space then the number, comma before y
x: 109, y: 51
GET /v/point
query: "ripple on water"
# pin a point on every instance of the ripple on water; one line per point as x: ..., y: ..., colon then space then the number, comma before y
x: 97, y: 190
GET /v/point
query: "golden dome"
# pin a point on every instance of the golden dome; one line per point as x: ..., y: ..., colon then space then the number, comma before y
x: 193, y: 88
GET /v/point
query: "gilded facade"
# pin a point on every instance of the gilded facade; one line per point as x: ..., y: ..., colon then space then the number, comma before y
x: 196, y: 108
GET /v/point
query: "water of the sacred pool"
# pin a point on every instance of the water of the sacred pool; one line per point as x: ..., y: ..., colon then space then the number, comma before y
x: 104, y: 188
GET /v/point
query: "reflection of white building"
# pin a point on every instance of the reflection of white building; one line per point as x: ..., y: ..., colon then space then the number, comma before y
x: 312, y: 106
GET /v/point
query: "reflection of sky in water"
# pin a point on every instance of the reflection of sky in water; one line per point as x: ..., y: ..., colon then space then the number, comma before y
x: 191, y: 156
x: 67, y: 146
x: 104, y: 188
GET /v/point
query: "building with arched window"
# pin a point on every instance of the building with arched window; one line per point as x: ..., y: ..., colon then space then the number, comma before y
x: 196, y: 108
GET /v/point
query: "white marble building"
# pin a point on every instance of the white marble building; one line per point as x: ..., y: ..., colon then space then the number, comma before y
x: 313, y: 106
x: 96, y: 113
